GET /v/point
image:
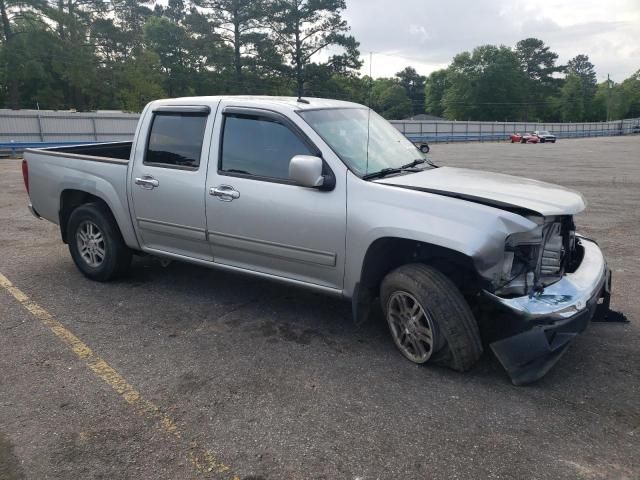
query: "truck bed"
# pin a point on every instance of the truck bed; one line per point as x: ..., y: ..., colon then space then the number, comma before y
x: 110, y: 150
x: 97, y: 169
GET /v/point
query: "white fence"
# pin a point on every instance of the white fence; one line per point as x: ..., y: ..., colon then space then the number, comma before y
x: 447, y: 131
x: 55, y: 126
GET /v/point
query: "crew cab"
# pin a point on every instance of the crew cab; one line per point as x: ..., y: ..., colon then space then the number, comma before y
x: 328, y: 195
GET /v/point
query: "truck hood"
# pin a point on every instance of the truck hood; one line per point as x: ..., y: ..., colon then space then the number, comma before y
x: 495, y: 189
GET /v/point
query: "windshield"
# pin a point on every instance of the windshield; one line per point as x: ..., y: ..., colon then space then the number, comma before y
x: 345, y: 130
x: 544, y: 132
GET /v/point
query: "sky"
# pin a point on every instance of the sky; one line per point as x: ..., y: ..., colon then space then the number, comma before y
x: 427, y: 34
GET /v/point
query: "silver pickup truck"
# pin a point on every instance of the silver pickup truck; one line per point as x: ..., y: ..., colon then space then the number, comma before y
x: 328, y: 195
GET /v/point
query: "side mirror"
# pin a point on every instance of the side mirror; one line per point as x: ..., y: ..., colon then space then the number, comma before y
x: 306, y: 171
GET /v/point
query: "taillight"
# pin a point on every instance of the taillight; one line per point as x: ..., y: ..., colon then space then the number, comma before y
x: 25, y: 174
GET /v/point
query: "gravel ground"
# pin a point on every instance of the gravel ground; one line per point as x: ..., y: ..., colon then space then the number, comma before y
x: 277, y: 383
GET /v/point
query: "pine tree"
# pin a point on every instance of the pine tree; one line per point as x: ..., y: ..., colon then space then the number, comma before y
x: 302, y: 28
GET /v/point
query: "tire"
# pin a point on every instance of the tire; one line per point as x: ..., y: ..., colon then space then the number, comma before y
x: 542, y: 140
x: 512, y: 141
x: 455, y: 336
x: 92, y: 229
x: 424, y: 148
x: 523, y: 141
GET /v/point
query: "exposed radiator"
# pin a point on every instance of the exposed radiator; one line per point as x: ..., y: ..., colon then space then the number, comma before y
x: 553, y: 253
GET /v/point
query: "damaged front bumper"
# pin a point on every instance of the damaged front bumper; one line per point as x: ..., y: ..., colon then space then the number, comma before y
x: 543, y: 325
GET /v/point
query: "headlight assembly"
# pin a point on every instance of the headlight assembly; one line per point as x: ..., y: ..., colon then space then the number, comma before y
x: 536, y: 258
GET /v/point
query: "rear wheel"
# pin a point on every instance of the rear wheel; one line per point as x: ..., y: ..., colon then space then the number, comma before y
x: 95, y: 243
x: 429, y: 319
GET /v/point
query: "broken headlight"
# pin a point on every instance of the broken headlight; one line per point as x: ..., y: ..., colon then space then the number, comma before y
x: 536, y: 258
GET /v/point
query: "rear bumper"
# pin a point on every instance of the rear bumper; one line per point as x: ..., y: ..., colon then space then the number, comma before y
x: 542, y: 326
x: 33, y: 211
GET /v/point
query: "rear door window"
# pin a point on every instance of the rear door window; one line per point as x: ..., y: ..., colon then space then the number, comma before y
x: 175, y: 140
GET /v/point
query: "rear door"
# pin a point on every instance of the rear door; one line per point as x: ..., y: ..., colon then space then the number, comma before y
x: 257, y: 219
x: 168, y: 181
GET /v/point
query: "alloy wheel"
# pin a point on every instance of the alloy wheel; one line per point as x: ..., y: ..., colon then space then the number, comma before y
x: 411, y: 327
x: 91, y: 244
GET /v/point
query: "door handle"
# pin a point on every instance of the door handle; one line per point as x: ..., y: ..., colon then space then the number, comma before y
x: 147, y: 182
x: 225, y: 193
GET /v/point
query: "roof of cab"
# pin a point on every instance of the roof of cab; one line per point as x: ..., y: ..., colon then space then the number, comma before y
x: 264, y: 101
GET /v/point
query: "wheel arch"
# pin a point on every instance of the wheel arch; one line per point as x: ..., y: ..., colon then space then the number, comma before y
x: 70, y: 199
x: 388, y: 253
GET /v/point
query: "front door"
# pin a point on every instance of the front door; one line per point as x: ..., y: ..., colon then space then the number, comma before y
x: 168, y: 181
x: 257, y: 219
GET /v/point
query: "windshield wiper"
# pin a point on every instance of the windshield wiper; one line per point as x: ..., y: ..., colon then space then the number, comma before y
x: 389, y: 171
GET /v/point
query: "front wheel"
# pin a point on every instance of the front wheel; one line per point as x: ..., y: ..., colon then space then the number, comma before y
x: 429, y: 319
x: 95, y: 243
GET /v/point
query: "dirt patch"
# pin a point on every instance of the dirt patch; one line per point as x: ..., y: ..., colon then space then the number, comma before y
x: 9, y: 464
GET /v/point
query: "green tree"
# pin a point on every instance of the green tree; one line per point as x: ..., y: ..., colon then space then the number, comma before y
x: 572, y: 99
x: 435, y: 88
x: 487, y: 84
x: 631, y: 95
x: 238, y: 22
x: 4, y: 19
x: 74, y: 66
x: 537, y: 60
x: 538, y: 63
x: 8, y: 57
x: 581, y: 67
x: 302, y: 28
x: 140, y: 81
x: 390, y: 99
x: 352, y: 87
x: 38, y: 49
x: 265, y: 67
x: 128, y: 19
x: 17, y: 18
x: 611, y: 101
x: 414, y: 86
x: 170, y: 42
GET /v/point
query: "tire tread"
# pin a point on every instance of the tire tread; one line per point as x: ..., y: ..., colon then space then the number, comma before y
x: 116, y: 266
x: 454, y: 319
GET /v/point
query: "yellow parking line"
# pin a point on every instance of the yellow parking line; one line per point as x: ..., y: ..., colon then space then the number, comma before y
x: 203, y: 460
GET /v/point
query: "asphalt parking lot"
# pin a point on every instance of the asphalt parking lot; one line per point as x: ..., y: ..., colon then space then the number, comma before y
x: 244, y: 378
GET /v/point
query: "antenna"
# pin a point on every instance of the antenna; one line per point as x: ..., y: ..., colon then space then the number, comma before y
x: 366, y: 168
x: 370, y: 78
x: 608, y: 98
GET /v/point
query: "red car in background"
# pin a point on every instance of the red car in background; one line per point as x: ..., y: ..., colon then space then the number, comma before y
x: 524, y: 138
